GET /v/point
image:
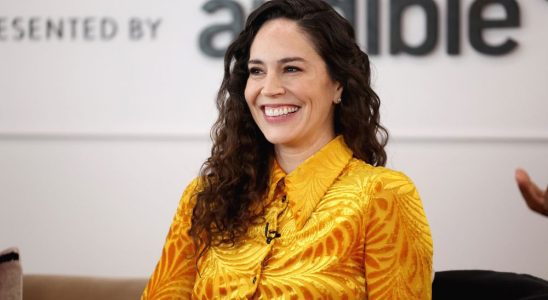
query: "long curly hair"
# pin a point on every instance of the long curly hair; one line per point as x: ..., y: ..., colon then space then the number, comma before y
x: 235, y: 178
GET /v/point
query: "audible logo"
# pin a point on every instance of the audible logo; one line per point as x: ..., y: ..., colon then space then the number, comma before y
x: 478, y: 23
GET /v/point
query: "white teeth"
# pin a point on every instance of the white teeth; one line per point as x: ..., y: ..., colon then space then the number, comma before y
x: 276, y: 112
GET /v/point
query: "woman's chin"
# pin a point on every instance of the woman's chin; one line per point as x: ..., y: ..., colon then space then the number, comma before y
x: 279, y: 138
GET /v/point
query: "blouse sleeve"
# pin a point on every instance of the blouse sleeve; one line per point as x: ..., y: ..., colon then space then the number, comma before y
x: 174, y: 275
x: 398, y: 243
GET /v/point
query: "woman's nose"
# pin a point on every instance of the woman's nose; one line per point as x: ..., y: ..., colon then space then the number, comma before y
x: 273, y: 86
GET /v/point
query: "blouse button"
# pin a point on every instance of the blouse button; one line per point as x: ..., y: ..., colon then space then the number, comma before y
x: 284, y: 197
x: 254, y: 279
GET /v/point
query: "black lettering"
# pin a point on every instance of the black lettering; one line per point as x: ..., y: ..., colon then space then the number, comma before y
x: 208, y: 34
x: 154, y: 27
x: 53, y: 29
x: 109, y: 28
x: 397, y: 43
x: 33, y: 29
x: 373, y: 27
x: 477, y: 24
x: 453, y: 27
x: 88, y: 29
x: 256, y: 3
x: 18, y: 28
x: 73, y: 23
x: 135, y: 29
x: 347, y: 8
x: 2, y: 29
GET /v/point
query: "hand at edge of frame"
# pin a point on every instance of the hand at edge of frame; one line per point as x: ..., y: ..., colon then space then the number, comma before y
x: 536, y: 199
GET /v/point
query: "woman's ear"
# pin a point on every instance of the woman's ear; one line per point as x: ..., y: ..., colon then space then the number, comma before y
x: 338, y: 93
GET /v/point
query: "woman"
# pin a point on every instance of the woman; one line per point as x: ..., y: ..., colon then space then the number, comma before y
x: 293, y: 203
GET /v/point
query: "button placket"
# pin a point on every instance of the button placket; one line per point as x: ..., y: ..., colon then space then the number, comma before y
x: 277, y: 206
x: 257, y: 275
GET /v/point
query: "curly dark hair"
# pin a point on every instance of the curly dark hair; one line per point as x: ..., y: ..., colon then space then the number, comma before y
x: 235, y: 177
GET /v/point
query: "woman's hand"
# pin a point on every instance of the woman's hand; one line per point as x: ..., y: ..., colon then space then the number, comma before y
x: 536, y: 199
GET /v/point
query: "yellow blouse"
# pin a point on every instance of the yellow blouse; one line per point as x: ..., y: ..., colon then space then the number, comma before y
x: 336, y: 228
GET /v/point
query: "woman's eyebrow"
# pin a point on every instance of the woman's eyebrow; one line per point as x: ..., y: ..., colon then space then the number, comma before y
x: 282, y: 61
x: 291, y: 59
x: 255, y: 62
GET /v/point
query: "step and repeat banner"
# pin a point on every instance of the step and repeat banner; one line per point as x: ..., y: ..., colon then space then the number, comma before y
x: 442, y: 68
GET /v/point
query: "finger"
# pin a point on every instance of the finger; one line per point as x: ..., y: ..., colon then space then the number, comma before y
x: 524, y: 181
x: 522, y: 177
x: 530, y: 191
x: 546, y: 201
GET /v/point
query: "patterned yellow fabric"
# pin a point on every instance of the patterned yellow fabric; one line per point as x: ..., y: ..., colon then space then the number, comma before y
x: 347, y: 231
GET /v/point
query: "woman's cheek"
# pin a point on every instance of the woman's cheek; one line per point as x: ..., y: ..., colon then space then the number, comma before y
x: 250, y: 93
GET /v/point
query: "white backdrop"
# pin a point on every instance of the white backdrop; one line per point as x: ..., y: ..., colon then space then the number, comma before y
x: 98, y: 138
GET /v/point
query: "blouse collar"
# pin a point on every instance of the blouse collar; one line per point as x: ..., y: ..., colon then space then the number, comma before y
x: 309, y: 182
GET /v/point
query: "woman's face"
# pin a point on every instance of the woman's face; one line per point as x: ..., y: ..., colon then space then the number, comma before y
x: 289, y: 91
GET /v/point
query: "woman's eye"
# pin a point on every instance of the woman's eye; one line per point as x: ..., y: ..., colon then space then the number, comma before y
x: 292, y: 69
x: 255, y: 71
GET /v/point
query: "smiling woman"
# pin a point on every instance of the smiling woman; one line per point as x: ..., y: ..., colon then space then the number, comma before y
x: 294, y: 202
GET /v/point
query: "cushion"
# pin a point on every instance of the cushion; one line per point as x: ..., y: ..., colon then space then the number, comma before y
x: 11, y: 279
x: 486, y: 284
x: 55, y: 287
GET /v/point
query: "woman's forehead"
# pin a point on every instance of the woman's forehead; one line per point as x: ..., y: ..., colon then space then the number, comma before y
x: 281, y: 38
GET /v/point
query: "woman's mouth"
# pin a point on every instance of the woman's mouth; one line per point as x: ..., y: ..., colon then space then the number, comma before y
x: 278, y: 111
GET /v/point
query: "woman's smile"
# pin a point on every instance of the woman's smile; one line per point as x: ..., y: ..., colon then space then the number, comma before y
x: 279, y: 113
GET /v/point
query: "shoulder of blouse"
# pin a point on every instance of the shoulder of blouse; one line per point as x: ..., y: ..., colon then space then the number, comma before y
x: 374, y: 183
x: 375, y: 179
x: 188, y: 199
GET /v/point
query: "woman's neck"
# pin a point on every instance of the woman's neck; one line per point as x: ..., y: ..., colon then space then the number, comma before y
x: 289, y: 158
